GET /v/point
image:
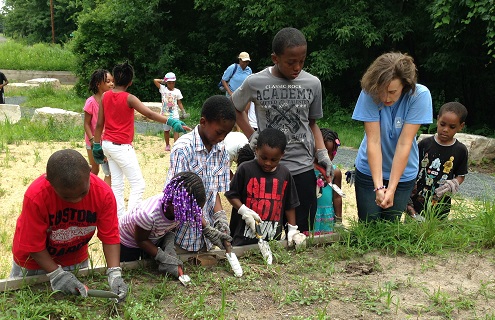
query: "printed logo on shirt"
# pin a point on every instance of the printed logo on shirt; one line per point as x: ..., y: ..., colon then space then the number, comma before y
x: 398, y: 122
x: 70, y: 230
x: 285, y: 106
x: 267, y: 203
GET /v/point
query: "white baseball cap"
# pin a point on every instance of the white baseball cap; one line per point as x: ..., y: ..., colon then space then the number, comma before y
x: 170, y: 76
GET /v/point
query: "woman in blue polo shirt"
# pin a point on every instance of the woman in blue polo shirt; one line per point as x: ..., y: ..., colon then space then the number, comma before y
x: 393, y: 107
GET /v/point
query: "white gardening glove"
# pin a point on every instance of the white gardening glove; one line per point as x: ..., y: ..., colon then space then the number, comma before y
x: 324, y: 161
x: 451, y: 186
x: 294, y: 236
x: 116, y: 283
x: 250, y: 217
x: 66, y: 282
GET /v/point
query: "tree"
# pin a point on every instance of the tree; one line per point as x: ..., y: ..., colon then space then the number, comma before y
x: 30, y: 20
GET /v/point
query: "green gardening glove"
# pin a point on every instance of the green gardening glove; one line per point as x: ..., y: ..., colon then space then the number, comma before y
x: 176, y: 125
x: 98, y: 153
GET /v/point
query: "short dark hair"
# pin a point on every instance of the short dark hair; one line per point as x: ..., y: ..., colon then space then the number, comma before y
x: 287, y: 38
x: 97, y: 77
x: 217, y: 108
x: 123, y: 74
x: 274, y: 138
x: 67, y: 168
x: 455, y: 107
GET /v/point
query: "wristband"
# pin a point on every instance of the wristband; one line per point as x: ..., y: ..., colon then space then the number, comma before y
x: 91, y: 139
x: 379, y: 188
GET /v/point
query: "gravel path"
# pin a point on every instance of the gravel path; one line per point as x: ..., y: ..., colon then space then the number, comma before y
x: 475, y: 185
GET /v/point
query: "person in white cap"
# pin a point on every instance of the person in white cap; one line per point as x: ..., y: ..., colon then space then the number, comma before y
x: 171, y: 104
x: 235, y: 74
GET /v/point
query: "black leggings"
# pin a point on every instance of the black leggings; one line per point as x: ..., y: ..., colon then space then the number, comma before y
x: 306, y: 211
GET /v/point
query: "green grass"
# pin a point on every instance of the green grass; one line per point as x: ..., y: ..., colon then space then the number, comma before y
x: 297, y: 280
x: 34, y: 131
x: 18, y: 56
x: 46, y: 95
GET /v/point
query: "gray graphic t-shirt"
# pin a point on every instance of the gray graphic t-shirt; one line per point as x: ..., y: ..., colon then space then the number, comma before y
x: 286, y: 105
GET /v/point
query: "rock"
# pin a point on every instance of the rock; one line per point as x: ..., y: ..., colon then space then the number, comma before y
x: 154, y: 106
x: 55, y: 83
x: 58, y: 115
x: 10, y: 113
x: 23, y: 85
x: 480, y: 148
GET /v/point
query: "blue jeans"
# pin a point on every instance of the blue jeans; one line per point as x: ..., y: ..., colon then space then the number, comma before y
x: 368, y: 210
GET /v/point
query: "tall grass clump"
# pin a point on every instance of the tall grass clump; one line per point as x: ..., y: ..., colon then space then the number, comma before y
x: 469, y: 229
x: 41, y: 56
x: 50, y: 130
x: 47, y: 96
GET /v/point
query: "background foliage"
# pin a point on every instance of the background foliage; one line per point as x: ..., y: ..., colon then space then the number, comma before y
x: 452, y: 41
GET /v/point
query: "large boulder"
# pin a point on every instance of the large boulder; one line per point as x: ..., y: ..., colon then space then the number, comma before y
x: 59, y: 115
x: 154, y: 106
x: 54, y: 82
x: 10, y: 113
x: 480, y: 148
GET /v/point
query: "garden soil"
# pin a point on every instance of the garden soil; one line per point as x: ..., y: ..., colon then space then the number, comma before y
x: 376, y: 286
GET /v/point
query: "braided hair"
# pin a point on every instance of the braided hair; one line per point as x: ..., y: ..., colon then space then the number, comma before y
x: 97, y: 77
x: 123, y: 74
x: 186, y: 193
x: 245, y: 154
x: 329, y: 135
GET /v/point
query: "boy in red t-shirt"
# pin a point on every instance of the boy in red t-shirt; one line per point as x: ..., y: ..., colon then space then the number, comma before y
x: 60, y: 213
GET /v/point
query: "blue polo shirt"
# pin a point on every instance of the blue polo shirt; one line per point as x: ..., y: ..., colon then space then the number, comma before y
x: 410, y: 108
x: 238, y: 77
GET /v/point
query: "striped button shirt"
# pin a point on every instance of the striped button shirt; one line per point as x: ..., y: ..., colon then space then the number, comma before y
x: 190, y: 154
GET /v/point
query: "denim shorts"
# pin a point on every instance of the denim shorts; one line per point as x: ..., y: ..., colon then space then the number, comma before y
x: 104, y: 167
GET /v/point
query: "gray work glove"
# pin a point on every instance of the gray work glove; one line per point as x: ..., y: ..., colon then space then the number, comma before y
x: 168, y: 245
x: 250, y: 217
x: 451, y: 186
x: 116, y: 282
x: 220, y: 222
x: 66, y: 282
x: 217, y: 237
x: 253, y: 140
x: 169, y: 263
x: 324, y: 161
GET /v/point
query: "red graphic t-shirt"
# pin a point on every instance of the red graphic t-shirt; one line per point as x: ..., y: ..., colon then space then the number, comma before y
x: 63, y: 228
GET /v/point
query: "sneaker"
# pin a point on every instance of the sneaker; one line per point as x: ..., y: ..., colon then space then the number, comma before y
x: 234, y: 263
x: 167, y: 148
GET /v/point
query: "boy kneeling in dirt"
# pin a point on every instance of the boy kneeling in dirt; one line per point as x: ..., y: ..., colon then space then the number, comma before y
x: 60, y: 213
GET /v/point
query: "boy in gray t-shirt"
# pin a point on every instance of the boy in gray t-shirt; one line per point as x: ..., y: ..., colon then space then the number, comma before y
x: 289, y: 99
